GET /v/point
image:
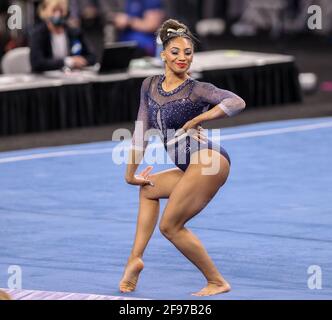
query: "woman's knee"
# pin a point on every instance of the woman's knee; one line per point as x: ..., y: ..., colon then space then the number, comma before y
x: 168, y: 229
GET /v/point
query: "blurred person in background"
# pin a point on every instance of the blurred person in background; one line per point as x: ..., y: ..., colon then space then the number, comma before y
x: 93, y: 17
x: 138, y: 22
x: 54, y: 45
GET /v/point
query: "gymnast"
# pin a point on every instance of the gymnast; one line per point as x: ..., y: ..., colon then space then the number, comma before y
x: 174, y: 100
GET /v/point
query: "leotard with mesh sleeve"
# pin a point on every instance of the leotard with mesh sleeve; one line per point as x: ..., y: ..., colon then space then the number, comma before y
x: 166, y: 112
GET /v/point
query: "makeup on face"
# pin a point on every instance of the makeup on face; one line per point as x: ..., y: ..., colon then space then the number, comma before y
x: 179, y: 54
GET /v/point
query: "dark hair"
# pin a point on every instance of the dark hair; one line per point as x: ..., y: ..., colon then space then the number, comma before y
x: 178, y: 30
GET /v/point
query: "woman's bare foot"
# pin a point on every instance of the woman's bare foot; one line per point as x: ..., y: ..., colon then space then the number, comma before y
x: 130, y: 276
x: 213, y: 288
x: 4, y: 295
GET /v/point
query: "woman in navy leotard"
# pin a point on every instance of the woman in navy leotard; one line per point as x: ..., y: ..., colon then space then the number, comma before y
x: 174, y: 106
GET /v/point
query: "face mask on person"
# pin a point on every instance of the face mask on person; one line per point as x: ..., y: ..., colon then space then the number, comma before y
x: 58, y: 20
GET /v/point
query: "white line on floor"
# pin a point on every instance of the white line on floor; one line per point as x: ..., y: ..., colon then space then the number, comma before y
x: 235, y: 136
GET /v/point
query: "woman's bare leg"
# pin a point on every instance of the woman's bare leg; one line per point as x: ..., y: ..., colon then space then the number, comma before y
x: 164, y: 183
x: 189, y: 197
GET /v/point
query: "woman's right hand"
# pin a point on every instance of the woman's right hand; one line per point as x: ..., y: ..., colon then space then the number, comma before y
x: 142, y: 178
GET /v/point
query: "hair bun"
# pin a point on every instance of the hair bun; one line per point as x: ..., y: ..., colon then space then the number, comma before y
x: 172, y: 28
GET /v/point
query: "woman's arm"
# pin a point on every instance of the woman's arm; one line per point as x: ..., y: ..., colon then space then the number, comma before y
x: 226, y: 103
x: 134, y: 159
x: 139, y: 141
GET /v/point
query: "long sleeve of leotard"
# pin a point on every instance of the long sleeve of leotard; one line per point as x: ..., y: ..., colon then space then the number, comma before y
x: 139, y: 141
x: 228, y: 101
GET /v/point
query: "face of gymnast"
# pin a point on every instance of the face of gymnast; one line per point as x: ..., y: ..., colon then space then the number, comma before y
x: 178, y: 55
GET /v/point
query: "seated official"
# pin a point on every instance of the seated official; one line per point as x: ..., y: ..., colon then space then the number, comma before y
x: 139, y: 22
x: 53, y: 44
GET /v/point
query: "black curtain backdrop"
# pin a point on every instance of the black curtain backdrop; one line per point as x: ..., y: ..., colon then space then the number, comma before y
x: 260, y: 86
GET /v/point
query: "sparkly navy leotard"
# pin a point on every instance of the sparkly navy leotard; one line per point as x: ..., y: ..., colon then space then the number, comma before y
x: 166, y: 112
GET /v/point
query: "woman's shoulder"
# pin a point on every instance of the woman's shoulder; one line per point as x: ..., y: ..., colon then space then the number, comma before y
x: 148, y: 80
x: 153, y: 77
x: 203, y: 87
x: 203, y: 84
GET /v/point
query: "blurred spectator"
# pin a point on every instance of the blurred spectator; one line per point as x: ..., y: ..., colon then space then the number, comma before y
x: 53, y: 44
x: 139, y: 21
x: 92, y: 9
x: 93, y: 17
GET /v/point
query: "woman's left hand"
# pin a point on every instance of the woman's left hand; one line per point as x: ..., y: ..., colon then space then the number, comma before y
x: 191, y: 124
x: 195, y: 130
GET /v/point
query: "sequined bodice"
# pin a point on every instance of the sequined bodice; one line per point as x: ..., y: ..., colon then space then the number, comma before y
x: 169, y: 111
x: 174, y: 109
